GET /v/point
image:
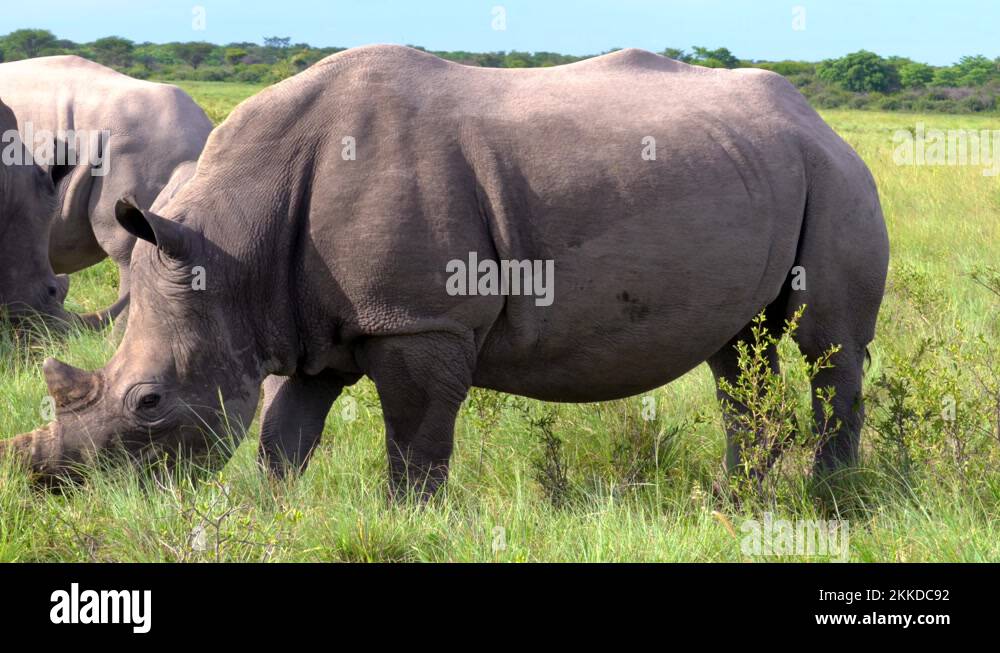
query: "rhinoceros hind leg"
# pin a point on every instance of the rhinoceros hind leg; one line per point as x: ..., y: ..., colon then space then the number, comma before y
x: 840, y: 311
x: 840, y: 440
x: 295, y: 410
x: 724, y: 365
x: 422, y: 381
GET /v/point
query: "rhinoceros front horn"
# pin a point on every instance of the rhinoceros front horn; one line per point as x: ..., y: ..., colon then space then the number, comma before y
x: 41, y: 450
x: 68, y: 386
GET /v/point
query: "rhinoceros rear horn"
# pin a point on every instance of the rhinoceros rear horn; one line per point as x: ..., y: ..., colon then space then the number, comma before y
x: 68, y: 386
x: 172, y: 238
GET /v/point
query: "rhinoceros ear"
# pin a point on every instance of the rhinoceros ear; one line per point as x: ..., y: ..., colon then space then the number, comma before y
x: 172, y: 238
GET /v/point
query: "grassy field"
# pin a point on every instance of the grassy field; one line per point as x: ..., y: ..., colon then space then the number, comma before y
x: 544, y: 482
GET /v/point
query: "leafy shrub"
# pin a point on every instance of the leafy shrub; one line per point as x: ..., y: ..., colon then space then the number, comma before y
x: 929, y: 410
x: 549, y: 463
x: 770, y: 423
x: 935, y: 410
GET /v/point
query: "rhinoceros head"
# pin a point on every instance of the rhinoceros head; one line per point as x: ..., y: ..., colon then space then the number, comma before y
x: 186, y: 376
x: 28, y: 199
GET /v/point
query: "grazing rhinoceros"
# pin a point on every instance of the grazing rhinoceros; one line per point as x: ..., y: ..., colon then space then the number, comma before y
x: 330, y: 213
x: 28, y: 286
x: 154, y: 134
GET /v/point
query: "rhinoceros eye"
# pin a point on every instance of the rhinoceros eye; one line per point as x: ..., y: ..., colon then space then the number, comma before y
x: 149, y: 401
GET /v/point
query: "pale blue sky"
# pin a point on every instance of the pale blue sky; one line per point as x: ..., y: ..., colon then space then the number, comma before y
x: 935, y: 31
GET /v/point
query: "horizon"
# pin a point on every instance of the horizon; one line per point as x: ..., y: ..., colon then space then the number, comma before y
x: 763, y: 30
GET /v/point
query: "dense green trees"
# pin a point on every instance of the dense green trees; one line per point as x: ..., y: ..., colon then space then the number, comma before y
x: 859, y: 79
x: 914, y: 74
x: 717, y: 58
x: 861, y: 72
x: 193, y: 53
x: 114, y: 51
x: 976, y: 71
x: 28, y: 43
x: 864, y: 72
x: 276, y: 59
x: 898, y: 83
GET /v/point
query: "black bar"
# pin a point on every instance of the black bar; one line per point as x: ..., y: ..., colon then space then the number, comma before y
x: 200, y: 603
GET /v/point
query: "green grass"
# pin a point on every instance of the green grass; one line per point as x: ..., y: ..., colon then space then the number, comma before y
x: 632, y: 489
x: 218, y: 98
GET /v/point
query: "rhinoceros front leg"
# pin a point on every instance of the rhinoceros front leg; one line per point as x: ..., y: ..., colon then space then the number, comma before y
x: 422, y: 381
x: 295, y: 409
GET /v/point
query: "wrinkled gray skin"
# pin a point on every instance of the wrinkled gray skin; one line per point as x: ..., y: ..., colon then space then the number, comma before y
x: 28, y: 286
x: 157, y: 134
x: 321, y: 270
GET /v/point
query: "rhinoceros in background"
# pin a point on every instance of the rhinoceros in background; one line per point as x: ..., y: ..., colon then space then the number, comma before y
x: 328, y: 212
x: 152, y: 136
x: 28, y: 286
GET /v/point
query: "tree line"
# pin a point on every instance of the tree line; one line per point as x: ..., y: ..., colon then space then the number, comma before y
x: 858, y: 80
